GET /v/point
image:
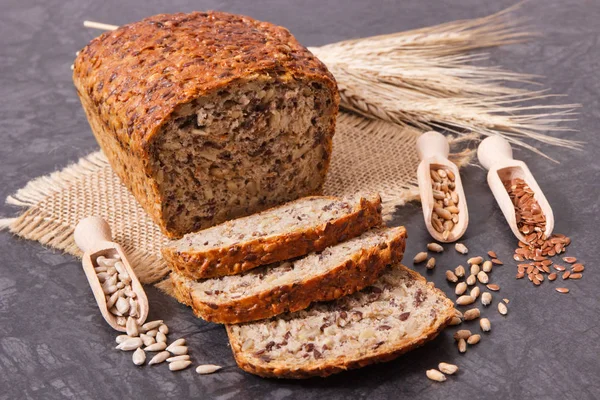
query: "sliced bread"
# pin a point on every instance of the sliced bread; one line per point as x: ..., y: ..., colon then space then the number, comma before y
x: 292, y: 285
x: 291, y: 230
x: 399, y: 312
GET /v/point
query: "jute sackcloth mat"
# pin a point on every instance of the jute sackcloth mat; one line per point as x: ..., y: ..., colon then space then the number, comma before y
x: 368, y: 155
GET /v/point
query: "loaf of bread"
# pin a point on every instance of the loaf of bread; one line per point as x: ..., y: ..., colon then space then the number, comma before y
x: 396, y: 314
x: 292, y: 285
x: 280, y: 233
x: 208, y: 116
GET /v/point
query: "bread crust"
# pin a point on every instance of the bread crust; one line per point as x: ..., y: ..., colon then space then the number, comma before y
x: 131, y: 80
x: 325, y: 368
x: 231, y: 260
x: 351, y: 276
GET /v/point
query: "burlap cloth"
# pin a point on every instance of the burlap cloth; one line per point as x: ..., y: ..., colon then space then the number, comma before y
x: 368, y: 155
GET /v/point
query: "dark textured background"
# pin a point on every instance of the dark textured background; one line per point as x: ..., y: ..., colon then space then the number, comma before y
x: 53, y: 342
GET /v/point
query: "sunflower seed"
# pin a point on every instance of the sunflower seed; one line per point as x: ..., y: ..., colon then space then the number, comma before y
x: 483, y: 277
x: 152, y: 332
x: 462, y: 334
x: 121, y: 338
x: 158, y: 346
x: 130, y: 344
x: 182, y: 357
x: 178, y: 350
x: 475, y: 269
x: 487, y: 266
x: 163, y: 329
x: 132, y: 327
x: 148, y: 326
x: 472, y: 314
x: 178, y: 342
x: 486, y: 298
x: 475, y: 260
x: 471, y: 280
x: 207, y: 369
x: 139, y: 356
x: 160, y: 357
x: 475, y: 292
x: 473, y: 339
x: 148, y: 340
x: 420, y: 257
x: 455, y: 321
x: 121, y: 321
x: 465, y: 300
x: 113, y: 299
x: 430, y: 263
x: 562, y: 290
x: 462, y: 345
x: 179, y: 365
x: 435, y: 247
x: 448, y: 369
x: 459, y: 271
x: 161, y: 337
x: 492, y: 254
x: 485, y: 324
x: 493, y: 286
x: 435, y: 375
x: 461, y: 288
x: 461, y: 248
x: 502, y: 309
x: 451, y: 277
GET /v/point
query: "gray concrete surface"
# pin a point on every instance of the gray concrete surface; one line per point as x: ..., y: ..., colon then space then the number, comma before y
x: 53, y: 342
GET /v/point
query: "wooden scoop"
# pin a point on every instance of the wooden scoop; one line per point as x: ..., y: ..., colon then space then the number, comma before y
x: 433, y: 150
x: 495, y: 154
x: 94, y: 238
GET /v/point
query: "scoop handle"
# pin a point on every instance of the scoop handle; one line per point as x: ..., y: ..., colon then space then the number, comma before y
x: 431, y: 144
x: 90, y: 232
x: 492, y: 150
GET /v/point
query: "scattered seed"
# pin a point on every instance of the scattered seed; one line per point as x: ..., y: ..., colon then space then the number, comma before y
x: 435, y: 247
x: 163, y: 329
x: 475, y: 260
x: 161, y: 337
x: 435, y: 375
x: 179, y: 365
x: 492, y: 254
x: 485, y: 324
x: 159, y: 358
x: 474, y: 339
x: 451, y: 277
x: 472, y: 314
x: 497, y: 262
x: 506, y: 301
x: 430, y: 263
x: 182, y: 357
x: 458, y: 313
x: 121, y: 338
x: 420, y: 257
x: 520, y: 275
x: 569, y: 260
x: 158, y: 346
x: 566, y: 275
x: 559, y: 268
x: 577, y: 268
x: 132, y: 327
x: 465, y: 300
x: 207, y: 369
x: 575, y: 276
x: 562, y: 290
x: 475, y: 292
x: 139, y: 356
x: 459, y: 271
x: 471, y: 280
x: 148, y: 326
x: 487, y: 266
x: 460, y: 289
x: 152, y: 332
x: 552, y: 276
x: 493, y: 286
x: 148, y: 340
x: 486, y: 298
x: 178, y: 342
x: 461, y: 248
x: 462, y: 334
x: 448, y: 369
x: 483, y: 277
x: 130, y: 344
x: 462, y: 345
x: 502, y: 309
x: 475, y: 269
x: 455, y: 321
x: 178, y: 350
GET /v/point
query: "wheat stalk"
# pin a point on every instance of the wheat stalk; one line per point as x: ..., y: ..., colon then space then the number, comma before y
x: 424, y: 78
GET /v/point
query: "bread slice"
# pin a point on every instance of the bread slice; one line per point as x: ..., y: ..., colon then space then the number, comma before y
x: 399, y: 312
x: 291, y: 230
x: 292, y: 285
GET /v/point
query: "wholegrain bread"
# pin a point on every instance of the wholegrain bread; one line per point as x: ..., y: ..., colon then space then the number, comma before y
x: 394, y: 315
x: 288, y: 231
x: 292, y: 285
x: 208, y: 116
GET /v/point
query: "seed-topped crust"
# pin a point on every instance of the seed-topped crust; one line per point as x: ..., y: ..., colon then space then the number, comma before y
x: 336, y: 274
x: 365, y: 213
x: 438, y: 313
